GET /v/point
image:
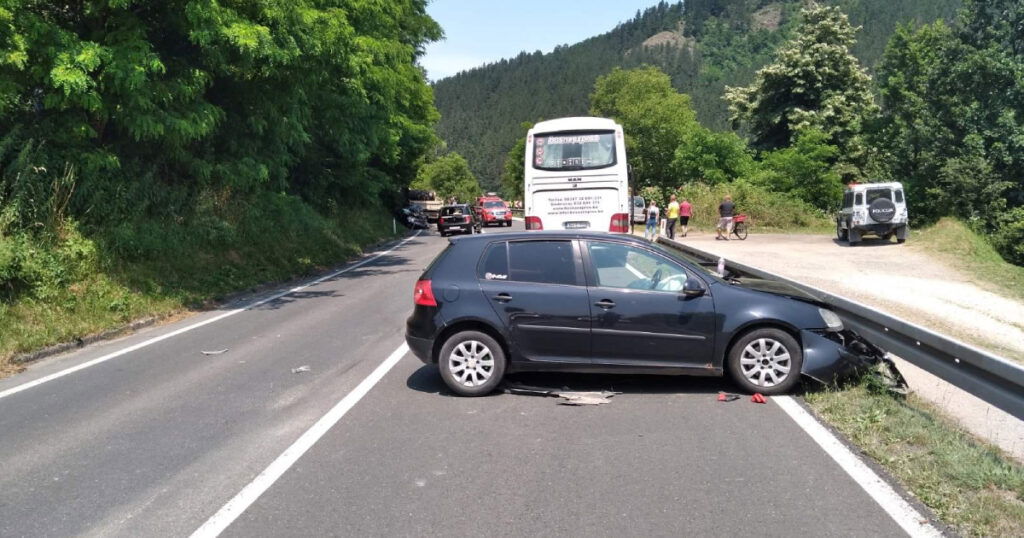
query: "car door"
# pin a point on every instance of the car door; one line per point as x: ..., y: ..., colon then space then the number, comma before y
x: 537, y: 289
x: 639, y: 315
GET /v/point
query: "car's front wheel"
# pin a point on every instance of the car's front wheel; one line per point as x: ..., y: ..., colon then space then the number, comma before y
x: 471, y: 363
x: 766, y: 361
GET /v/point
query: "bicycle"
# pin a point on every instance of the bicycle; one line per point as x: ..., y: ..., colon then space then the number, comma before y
x: 739, y: 227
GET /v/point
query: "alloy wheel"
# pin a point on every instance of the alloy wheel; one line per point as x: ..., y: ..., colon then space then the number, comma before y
x: 765, y: 362
x: 471, y: 363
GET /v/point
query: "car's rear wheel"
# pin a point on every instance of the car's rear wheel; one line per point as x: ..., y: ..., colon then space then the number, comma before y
x: 471, y: 363
x: 766, y: 361
x: 841, y: 233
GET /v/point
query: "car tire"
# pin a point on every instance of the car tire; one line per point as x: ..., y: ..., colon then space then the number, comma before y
x: 471, y: 363
x: 758, y: 361
x: 842, y: 234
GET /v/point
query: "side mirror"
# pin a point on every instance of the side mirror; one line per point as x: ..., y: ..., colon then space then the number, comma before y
x: 693, y: 287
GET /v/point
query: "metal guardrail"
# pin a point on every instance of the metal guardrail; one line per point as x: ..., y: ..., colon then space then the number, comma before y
x: 993, y: 379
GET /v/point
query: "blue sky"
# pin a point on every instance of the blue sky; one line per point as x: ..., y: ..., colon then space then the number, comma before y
x: 481, y: 31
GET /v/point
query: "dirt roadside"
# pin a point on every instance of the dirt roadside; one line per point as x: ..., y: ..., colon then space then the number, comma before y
x: 906, y: 282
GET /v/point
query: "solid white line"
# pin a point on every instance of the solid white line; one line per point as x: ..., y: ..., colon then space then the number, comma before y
x: 252, y: 491
x: 905, y: 515
x: 140, y: 345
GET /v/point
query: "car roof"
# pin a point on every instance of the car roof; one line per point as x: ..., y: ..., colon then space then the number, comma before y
x: 862, y: 186
x: 550, y: 234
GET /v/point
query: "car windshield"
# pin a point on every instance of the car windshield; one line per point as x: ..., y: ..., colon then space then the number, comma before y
x: 494, y: 205
x: 574, y: 150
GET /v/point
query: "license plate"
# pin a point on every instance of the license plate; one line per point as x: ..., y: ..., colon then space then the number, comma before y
x: 579, y: 225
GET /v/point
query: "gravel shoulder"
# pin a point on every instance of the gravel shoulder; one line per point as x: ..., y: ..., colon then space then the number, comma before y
x: 902, y: 280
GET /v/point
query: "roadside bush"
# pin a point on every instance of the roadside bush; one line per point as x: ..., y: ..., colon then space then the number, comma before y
x: 1009, y: 235
x: 767, y: 209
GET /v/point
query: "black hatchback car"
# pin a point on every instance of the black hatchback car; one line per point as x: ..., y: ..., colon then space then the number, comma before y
x: 458, y: 217
x: 593, y: 302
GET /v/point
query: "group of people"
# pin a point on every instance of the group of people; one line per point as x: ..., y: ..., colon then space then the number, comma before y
x: 681, y: 213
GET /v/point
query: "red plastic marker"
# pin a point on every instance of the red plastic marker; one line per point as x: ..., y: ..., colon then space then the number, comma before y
x: 758, y: 398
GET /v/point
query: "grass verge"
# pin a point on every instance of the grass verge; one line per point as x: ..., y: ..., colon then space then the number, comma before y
x: 61, y: 286
x: 969, y: 485
x: 955, y: 243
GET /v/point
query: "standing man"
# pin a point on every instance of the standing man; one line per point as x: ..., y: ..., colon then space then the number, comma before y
x: 672, y: 214
x: 725, y: 210
x: 685, y: 212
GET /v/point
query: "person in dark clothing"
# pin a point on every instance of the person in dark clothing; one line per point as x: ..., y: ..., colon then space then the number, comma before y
x: 725, y: 213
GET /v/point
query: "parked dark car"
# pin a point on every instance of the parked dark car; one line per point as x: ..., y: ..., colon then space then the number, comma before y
x: 593, y: 302
x: 458, y: 217
x: 413, y: 217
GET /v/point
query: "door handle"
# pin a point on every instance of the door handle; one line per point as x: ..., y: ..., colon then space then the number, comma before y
x: 502, y: 297
x: 605, y: 303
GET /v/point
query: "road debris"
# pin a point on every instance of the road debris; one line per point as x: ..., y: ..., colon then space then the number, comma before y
x: 728, y: 397
x: 586, y: 398
x: 569, y: 396
x: 300, y: 369
x: 218, y: 352
x: 758, y: 398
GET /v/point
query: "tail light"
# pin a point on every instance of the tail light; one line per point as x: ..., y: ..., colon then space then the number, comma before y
x: 534, y: 223
x: 620, y: 223
x: 423, y: 294
x: 466, y: 219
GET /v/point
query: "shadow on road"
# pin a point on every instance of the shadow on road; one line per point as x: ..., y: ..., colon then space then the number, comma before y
x: 866, y: 242
x: 426, y: 379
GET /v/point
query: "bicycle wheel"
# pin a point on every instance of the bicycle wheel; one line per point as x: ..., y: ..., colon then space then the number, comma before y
x: 740, y: 230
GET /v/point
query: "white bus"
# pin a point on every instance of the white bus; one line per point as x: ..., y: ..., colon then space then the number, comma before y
x: 576, y: 176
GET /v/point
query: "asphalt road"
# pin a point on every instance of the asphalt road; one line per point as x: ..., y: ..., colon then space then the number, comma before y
x: 154, y: 442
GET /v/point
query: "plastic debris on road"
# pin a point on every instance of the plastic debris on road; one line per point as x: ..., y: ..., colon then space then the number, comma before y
x: 758, y: 398
x: 301, y: 369
x: 728, y: 397
x: 218, y: 352
x: 569, y: 397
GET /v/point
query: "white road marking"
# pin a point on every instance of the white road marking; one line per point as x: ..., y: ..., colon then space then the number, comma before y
x: 633, y: 270
x: 252, y: 491
x: 905, y: 515
x: 151, y: 341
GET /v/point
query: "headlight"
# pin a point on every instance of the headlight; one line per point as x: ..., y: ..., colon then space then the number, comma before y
x: 831, y: 320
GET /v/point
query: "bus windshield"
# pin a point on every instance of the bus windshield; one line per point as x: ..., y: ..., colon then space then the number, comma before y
x: 574, y: 150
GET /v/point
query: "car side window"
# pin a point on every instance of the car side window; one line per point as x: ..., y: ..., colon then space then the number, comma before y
x: 899, y: 197
x: 623, y: 266
x: 494, y: 263
x: 848, y: 200
x: 860, y: 198
x: 544, y: 262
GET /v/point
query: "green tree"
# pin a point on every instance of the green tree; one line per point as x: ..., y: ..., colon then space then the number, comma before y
x: 655, y: 117
x: 317, y: 97
x: 814, y: 83
x: 450, y: 177
x: 513, y: 181
x: 804, y: 170
x: 953, y: 117
x: 709, y: 157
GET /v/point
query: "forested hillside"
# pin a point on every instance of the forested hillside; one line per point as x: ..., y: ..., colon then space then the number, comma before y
x: 703, y: 45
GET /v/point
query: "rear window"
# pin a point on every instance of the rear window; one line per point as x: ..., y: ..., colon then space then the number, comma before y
x: 492, y: 205
x: 494, y: 263
x: 899, y: 197
x: 577, y: 150
x: 860, y: 199
x: 544, y: 262
x: 455, y: 210
x: 874, y: 194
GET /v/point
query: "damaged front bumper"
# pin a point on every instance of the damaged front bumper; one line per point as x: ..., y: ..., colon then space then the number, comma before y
x: 831, y: 356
